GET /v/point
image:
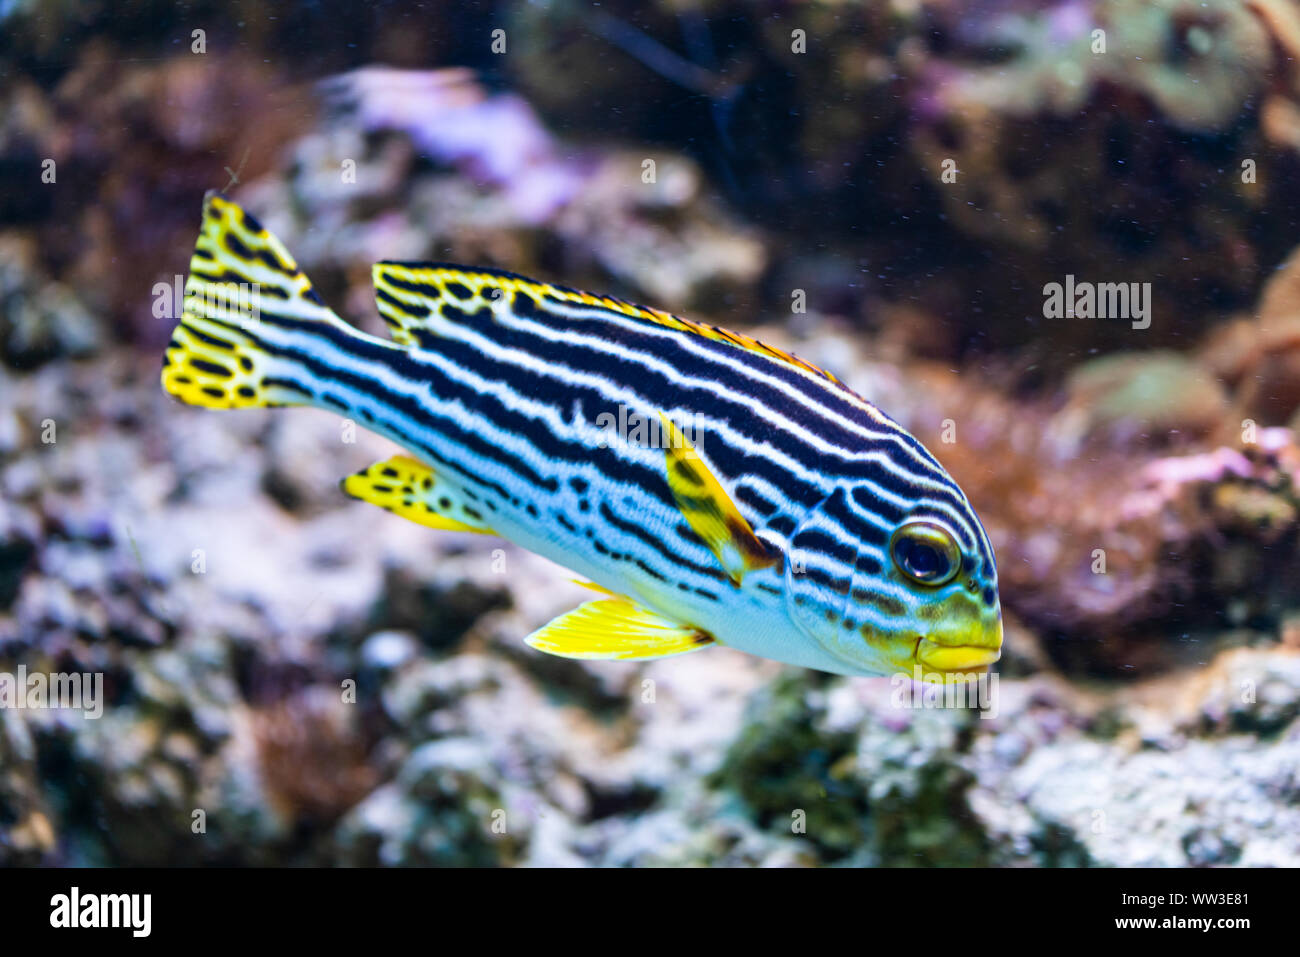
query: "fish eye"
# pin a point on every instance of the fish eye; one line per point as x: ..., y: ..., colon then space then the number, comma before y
x: 925, y: 552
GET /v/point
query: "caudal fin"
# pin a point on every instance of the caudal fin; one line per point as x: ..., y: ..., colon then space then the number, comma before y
x: 217, y: 356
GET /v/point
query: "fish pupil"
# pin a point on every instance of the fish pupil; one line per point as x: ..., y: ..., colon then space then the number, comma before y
x: 925, y: 560
x: 922, y: 560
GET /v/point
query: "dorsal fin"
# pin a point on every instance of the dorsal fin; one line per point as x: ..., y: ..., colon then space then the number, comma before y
x: 409, y: 293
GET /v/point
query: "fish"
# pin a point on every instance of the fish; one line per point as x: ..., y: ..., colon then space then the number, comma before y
x: 710, y: 489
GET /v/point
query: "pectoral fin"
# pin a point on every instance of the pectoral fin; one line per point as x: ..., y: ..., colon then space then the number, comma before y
x: 709, y: 510
x: 592, y: 586
x: 409, y: 488
x: 614, y: 628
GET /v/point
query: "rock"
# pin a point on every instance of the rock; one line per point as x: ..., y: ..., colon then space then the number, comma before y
x: 40, y: 319
x: 388, y: 650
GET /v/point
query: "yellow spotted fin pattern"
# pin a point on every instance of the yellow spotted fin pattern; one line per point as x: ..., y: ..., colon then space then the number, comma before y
x: 238, y: 273
x: 409, y: 488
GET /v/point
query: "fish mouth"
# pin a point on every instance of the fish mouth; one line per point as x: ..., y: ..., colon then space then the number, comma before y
x: 952, y: 659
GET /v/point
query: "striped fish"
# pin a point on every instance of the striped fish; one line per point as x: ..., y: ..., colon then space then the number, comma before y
x: 714, y: 489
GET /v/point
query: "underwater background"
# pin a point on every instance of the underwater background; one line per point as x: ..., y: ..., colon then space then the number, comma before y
x: 888, y: 189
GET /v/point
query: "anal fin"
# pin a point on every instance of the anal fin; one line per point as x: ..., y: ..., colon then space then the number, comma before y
x: 407, y: 487
x: 616, y: 629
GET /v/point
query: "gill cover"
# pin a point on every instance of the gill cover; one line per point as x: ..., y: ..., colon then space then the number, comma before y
x: 822, y: 572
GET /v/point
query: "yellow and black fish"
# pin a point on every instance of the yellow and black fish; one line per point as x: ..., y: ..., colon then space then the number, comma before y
x: 714, y: 488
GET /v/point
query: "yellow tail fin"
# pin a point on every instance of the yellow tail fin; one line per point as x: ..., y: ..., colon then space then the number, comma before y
x: 238, y: 271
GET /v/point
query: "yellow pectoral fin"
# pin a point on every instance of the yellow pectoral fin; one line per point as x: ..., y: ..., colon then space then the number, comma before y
x: 409, y: 488
x: 592, y: 586
x: 614, y: 628
x: 709, y: 510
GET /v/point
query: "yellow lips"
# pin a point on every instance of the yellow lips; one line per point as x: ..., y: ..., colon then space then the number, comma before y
x: 955, y: 657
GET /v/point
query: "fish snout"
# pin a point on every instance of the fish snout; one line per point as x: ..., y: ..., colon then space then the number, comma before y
x: 964, y: 650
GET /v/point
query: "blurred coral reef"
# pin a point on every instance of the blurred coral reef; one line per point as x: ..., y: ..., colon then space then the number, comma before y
x: 332, y: 687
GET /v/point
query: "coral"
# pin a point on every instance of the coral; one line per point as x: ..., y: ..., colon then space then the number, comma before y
x: 493, y: 187
x: 1167, y: 773
x: 105, y: 171
x: 881, y: 790
x: 1073, y: 161
x: 1123, y: 165
x: 27, y: 831
x: 39, y: 318
x: 312, y: 759
x: 1188, y: 780
x: 1155, y: 396
x: 1260, y: 356
x: 1121, y: 548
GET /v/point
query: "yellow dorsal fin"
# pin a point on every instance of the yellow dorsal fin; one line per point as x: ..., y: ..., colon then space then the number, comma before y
x: 409, y: 488
x: 408, y: 294
x: 709, y: 510
x: 614, y: 628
